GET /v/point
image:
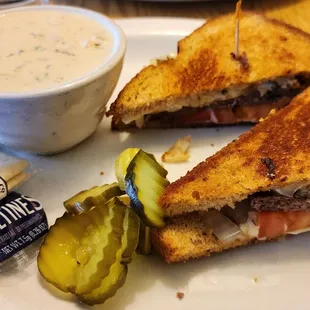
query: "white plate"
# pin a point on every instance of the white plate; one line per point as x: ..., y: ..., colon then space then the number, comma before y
x: 222, y: 282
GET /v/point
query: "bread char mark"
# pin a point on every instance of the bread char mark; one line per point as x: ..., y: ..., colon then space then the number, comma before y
x: 200, y: 72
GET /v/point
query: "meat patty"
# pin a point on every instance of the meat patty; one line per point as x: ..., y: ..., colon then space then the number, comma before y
x: 262, y: 202
x: 244, y: 109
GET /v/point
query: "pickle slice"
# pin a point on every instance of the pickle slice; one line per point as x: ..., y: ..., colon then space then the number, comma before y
x: 79, y: 251
x: 125, y: 200
x: 118, y: 271
x: 109, y: 286
x: 56, y: 260
x: 96, y: 196
x: 145, y: 182
x: 121, y: 164
x: 99, y: 245
x: 144, y: 245
x: 131, y: 229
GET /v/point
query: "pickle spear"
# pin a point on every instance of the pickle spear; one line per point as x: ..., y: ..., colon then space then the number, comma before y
x: 79, y: 251
x: 118, y: 271
x: 145, y: 182
x: 96, y: 196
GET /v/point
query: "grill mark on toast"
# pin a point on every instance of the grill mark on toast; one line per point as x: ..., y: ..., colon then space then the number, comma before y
x: 271, y: 167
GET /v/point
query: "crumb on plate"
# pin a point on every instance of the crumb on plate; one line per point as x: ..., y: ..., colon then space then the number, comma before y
x: 180, y: 295
x: 178, y: 152
x: 255, y: 280
x: 101, y: 173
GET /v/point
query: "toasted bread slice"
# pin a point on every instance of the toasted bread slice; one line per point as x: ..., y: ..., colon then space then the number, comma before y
x: 274, y: 154
x: 186, y: 236
x: 204, y: 71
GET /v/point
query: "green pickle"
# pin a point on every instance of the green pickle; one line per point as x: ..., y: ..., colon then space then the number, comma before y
x: 131, y: 228
x: 145, y: 182
x: 144, y: 246
x: 109, y: 286
x: 96, y: 196
x: 87, y: 251
x: 106, y: 245
x: 121, y: 165
x: 118, y: 271
x: 56, y: 260
x: 87, y: 254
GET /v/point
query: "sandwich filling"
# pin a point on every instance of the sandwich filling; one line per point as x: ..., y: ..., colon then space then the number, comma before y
x: 239, y: 104
x: 264, y: 215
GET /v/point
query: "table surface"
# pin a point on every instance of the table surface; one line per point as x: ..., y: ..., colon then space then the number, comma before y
x: 295, y: 12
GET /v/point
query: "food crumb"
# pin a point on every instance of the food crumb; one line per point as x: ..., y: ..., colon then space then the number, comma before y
x: 180, y: 295
x: 212, y: 144
x: 178, y: 152
x: 255, y: 280
x: 101, y: 173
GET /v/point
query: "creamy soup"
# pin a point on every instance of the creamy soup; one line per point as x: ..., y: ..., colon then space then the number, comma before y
x: 42, y: 49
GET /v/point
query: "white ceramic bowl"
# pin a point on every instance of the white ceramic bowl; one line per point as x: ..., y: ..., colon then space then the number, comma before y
x: 54, y: 120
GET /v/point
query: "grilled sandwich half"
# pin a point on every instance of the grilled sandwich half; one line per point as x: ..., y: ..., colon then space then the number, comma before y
x: 207, y: 84
x: 257, y: 188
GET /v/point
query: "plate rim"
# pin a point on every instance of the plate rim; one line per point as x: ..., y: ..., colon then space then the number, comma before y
x: 159, y: 25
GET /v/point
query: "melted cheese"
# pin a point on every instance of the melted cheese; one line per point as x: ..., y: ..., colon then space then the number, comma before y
x: 249, y: 229
x: 299, y: 231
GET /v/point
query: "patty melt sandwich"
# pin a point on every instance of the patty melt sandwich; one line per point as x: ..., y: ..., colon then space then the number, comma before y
x: 208, y: 84
x: 257, y: 188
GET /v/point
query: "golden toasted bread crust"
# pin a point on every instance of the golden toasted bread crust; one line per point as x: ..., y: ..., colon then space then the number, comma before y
x: 186, y: 237
x: 204, y: 65
x: 275, y: 153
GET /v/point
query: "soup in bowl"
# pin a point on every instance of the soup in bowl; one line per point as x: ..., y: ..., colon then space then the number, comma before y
x: 58, y: 68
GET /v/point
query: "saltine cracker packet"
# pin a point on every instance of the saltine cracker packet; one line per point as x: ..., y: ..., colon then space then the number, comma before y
x: 23, y: 221
x: 13, y: 173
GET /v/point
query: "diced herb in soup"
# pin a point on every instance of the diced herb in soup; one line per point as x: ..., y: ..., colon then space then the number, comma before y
x: 42, y: 49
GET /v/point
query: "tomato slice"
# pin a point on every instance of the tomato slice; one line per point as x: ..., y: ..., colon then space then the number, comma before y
x: 298, y: 220
x: 276, y: 224
x: 225, y: 114
x: 199, y: 117
x: 271, y: 224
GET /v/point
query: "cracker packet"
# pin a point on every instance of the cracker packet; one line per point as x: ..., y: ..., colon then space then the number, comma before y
x: 23, y: 221
x: 13, y: 173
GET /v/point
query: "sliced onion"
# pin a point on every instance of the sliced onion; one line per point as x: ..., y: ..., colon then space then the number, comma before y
x: 239, y: 214
x: 303, y: 193
x: 222, y: 227
x: 250, y: 229
x: 289, y: 190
